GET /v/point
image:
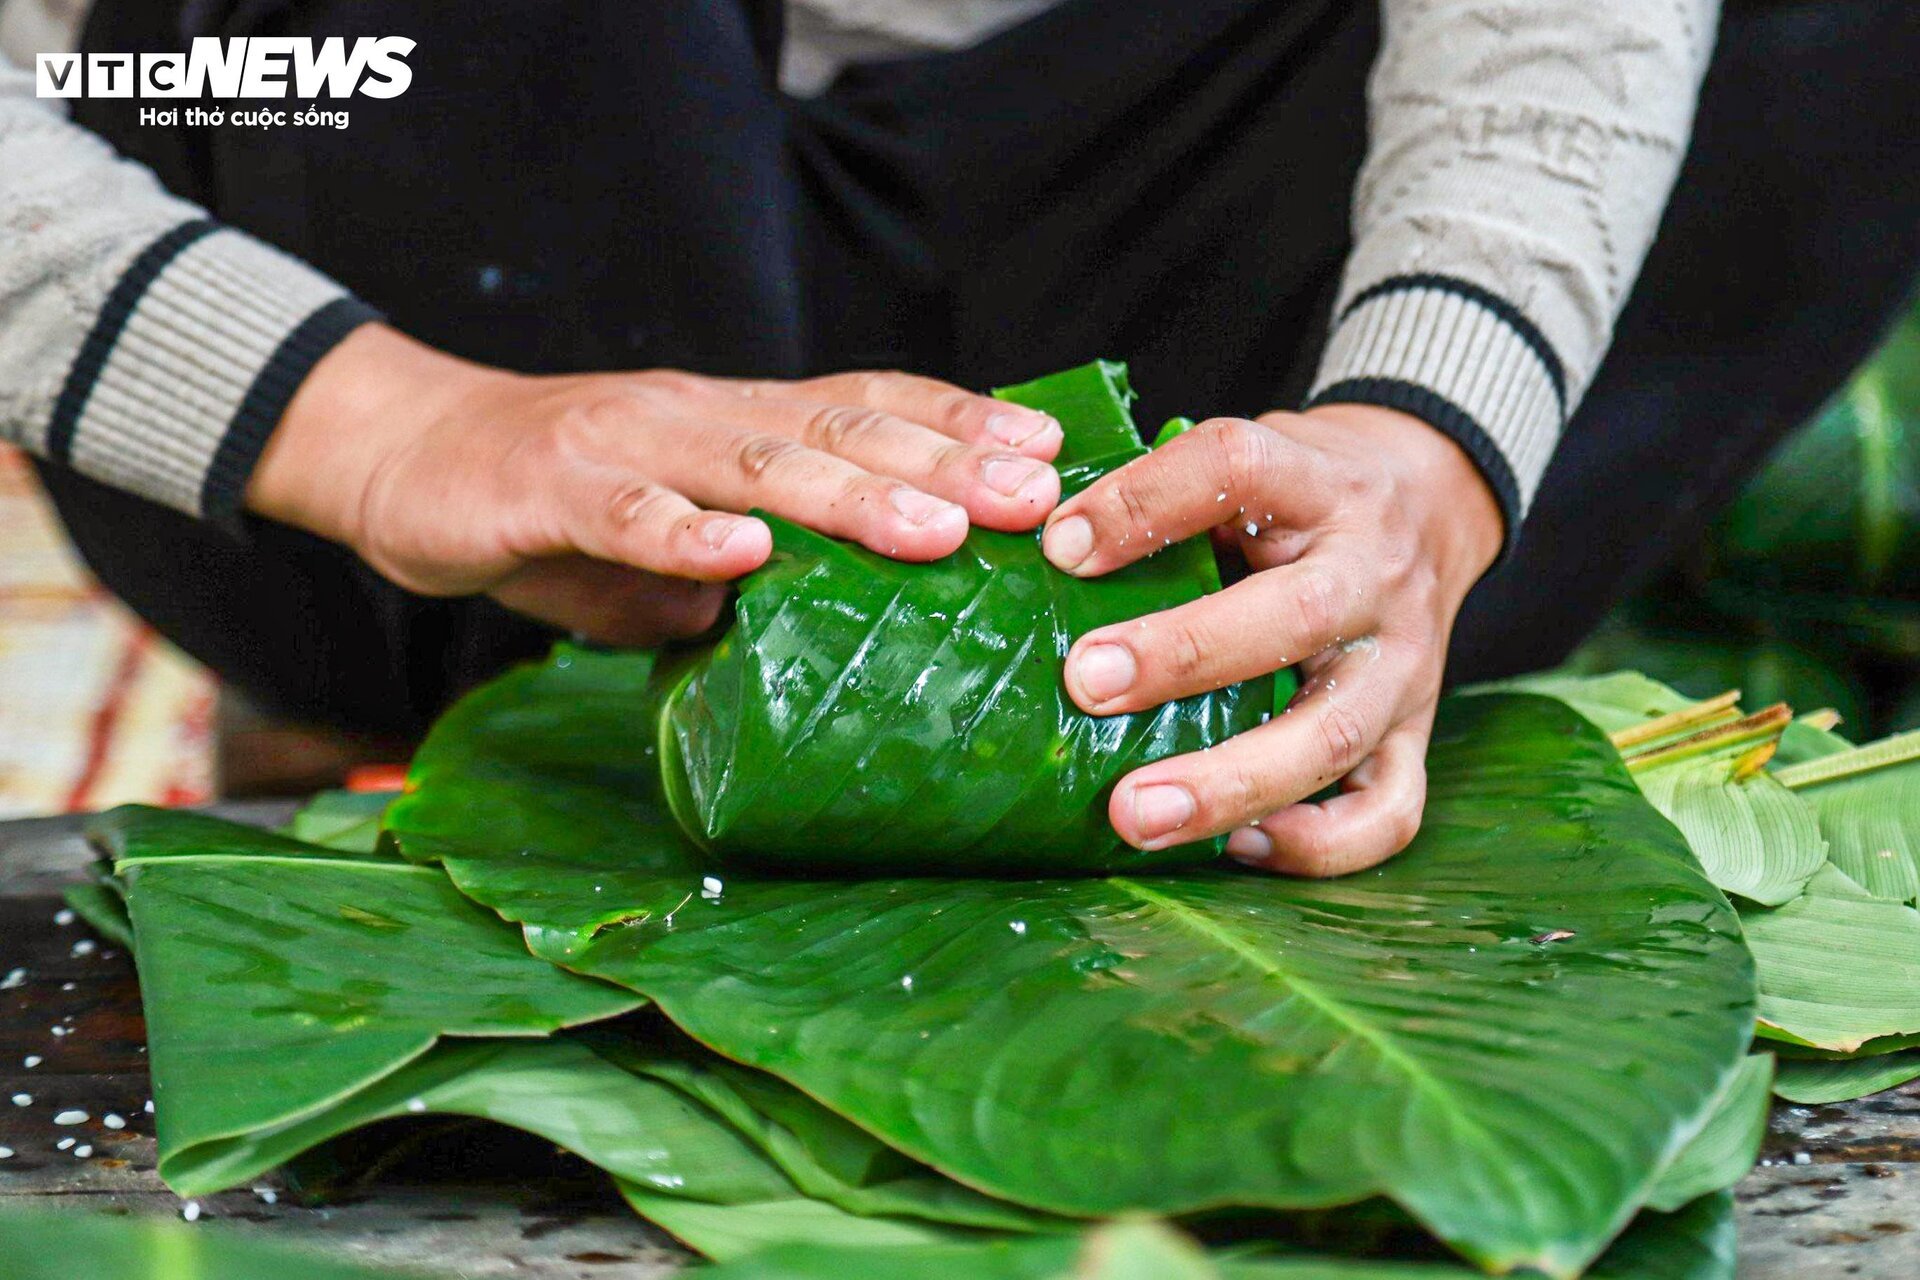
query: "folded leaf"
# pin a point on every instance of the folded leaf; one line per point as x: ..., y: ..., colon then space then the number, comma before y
x: 1815, y: 1081
x: 1838, y: 967
x: 1722, y: 1152
x: 1753, y: 836
x: 1871, y: 818
x: 1510, y: 1029
x: 868, y: 715
x: 64, y: 1244
x: 279, y: 978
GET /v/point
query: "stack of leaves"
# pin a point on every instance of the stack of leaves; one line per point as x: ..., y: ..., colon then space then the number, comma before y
x: 1523, y: 1037
x: 1818, y: 840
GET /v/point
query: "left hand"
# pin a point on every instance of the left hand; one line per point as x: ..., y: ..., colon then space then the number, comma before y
x: 1364, y: 529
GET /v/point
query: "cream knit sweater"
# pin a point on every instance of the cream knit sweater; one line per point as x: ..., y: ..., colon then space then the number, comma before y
x: 1521, y: 153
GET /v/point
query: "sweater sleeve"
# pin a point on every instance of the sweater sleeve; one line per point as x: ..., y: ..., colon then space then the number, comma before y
x: 142, y: 343
x: 1520, y: 155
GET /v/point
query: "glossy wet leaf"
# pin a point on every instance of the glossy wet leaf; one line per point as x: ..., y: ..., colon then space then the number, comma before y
x: 864, y: 714
x: 1815, y: 1081
x: 71, y: 1243
x: 633, y: 1127
x: 1753, y: 836
x: 278, y: 978
x: 1169, y: 1043
x: 1721, y: 1153
x: 1838, y: 967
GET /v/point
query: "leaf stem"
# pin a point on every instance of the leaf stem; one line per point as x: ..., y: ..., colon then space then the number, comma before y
x: 1760, y: 725
x: 1700, y: 714
x: 1901, y: 748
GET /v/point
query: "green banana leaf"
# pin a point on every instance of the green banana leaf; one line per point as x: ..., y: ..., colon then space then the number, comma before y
x: 1057, y: 1043
x: 362, y: 963
x: 1721, y: 1153
x: 63, y: 1245
x: 865, y: 715
x: 345, y: 820
x: 1693, y: 1244
x: 1814, y: 1081
x: 1753, y: 836
x: 1838, y: 967
x: 1869, y: 815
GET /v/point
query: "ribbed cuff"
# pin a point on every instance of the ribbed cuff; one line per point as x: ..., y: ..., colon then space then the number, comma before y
x: 1463, y: 359
x: 190, y: 364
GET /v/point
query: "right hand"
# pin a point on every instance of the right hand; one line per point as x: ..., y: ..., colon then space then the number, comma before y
x: 605, y: 503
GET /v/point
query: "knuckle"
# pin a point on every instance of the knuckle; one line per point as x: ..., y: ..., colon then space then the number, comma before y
x: 1233, y: 795
x: 757, y: 455
x: 840, y: 427
x: 1344, y: 735
x: 672, y: 383
x: 637, y: 503
x: 1184, y: 649
x: 1316, y: 603
x: 874, y: 384
x: 1133, y: 505
x: 1242, y: 451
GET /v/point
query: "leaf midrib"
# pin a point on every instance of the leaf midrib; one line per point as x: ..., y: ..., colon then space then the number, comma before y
x: 1416, y: 1072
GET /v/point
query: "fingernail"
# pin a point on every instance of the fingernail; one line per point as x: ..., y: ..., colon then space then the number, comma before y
x: 1018, y: 428
x: 1104, y: 671
x: 919, y: 508
x: 1008, y: 474
x: 1068, y: 543
x: 1161, y: 808
x: 1250, y: 845
x: 720, y: 530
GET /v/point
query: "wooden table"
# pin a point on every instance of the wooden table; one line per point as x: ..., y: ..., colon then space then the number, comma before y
x: 1837, y: 1193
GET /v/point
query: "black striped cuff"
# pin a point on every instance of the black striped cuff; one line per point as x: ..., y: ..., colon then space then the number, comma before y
x: 190, y: 363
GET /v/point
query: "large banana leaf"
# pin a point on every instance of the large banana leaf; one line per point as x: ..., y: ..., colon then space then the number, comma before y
x: 1693, y: 1244
x: 1098, y: 1045
x: 1753, y: 836
x: 1870, y: 816
x: 69, y: 1244
x: 1721, y: 1153
x: 1838, y: 967
x: 279, y: 978
x: 1820, y: 1080
x: 868, y: 715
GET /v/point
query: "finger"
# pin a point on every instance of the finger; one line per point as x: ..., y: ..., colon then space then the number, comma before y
x: 952, y: 411
x: 1223, y: 472
x: 611, y: 513
x: 738, y: 469
x: 999, y: 488
x: 1323, y: 735
x: 610, y: 603
x: 1375, y: 816
x: 1260, y: 624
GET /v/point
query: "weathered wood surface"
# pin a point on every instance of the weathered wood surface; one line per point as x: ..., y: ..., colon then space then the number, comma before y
x: 1837, y: 1194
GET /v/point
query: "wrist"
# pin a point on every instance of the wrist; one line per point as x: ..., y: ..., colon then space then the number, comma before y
x: 362, y: 405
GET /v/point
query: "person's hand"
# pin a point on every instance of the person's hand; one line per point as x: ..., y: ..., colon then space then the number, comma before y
x: 1363, y: 529
x: 605, y: 503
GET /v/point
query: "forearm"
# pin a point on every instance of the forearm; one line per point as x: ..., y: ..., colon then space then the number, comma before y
x: 1520, y: 159
x: 140, y: 342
